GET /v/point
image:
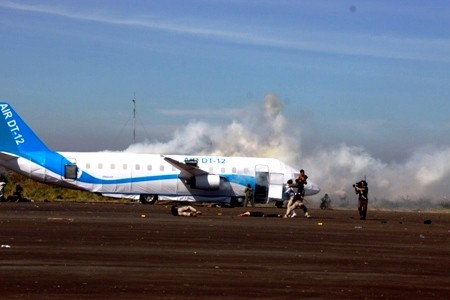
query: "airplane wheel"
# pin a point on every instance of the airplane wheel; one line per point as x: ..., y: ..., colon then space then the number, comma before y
x: 236, y: 201
x: 148, y: 199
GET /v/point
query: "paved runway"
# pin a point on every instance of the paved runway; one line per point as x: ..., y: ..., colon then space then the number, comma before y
x: 129, y: 251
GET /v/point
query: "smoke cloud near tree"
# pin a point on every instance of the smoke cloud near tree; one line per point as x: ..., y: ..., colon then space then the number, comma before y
x: 266, y: 132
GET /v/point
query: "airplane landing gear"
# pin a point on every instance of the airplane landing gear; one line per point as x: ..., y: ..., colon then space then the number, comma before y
x: 148, y: 199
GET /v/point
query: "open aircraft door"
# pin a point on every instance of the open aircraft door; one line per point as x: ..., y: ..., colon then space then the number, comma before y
x: 276, y: 184
x: 261, y: 183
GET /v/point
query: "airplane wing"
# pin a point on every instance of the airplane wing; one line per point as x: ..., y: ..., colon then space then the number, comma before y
x: 187, y: 171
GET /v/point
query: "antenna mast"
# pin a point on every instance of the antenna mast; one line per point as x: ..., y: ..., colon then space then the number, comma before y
x: 134, y: 118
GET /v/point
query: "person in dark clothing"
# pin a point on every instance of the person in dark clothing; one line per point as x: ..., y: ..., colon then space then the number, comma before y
x: 326, y: 202
x: 17, y: 195
x: 301, y: 182
x: 248, y: 195
x: 362, y: 190
x: 2, y: 189
x: 259, y: 214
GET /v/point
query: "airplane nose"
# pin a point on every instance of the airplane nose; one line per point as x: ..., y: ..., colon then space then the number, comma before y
x: 316, y: 188
x: 312, y: 189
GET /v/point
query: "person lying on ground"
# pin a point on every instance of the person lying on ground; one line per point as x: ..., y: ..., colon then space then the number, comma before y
x: 185, y: 211
x: 259, y: 214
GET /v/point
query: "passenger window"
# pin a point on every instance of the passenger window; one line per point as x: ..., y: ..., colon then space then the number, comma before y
x: 100, y: 166
x: 125, y: 166
x: 137, y: 167
x: 233, y: 170
x: 88, y: 166
x: 161, y: 168
x: 149, y: 167
x: 222, y: 170
x: 113, y: 166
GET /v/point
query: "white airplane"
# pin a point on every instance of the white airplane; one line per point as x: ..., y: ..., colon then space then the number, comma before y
x: 144, y: 177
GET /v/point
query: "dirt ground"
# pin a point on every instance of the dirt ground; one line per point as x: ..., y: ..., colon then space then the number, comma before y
x: 132, y: 251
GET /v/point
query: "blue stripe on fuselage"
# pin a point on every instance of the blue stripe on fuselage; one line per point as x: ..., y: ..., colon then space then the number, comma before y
x: 54, y: 162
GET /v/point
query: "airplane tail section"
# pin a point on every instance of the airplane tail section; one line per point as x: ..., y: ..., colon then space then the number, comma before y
x: 15, y: 136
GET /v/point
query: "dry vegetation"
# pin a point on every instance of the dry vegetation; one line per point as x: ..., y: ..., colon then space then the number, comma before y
x: 43, y: 192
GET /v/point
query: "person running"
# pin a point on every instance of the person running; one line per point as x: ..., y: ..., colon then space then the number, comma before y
x: 290, y: 192
x: 298, y: 202
x: 299, y: 197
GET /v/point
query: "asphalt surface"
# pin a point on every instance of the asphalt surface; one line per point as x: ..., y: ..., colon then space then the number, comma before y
x: 131, y: 251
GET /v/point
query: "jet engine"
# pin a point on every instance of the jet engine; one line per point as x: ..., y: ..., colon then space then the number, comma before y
x: 207, y: 182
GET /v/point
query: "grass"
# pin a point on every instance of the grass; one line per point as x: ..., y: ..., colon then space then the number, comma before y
x: 44, y: 192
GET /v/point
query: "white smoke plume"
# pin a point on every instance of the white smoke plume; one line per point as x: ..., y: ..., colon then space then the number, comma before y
x: 267, y: 133
x: 257, y: 133
x: 424, y: 176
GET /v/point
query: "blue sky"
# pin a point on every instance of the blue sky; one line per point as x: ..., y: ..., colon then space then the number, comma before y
x: 370, y: 75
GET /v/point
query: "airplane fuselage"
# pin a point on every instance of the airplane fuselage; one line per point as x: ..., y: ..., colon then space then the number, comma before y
x: 129, y: 175
x: 141, y: 176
